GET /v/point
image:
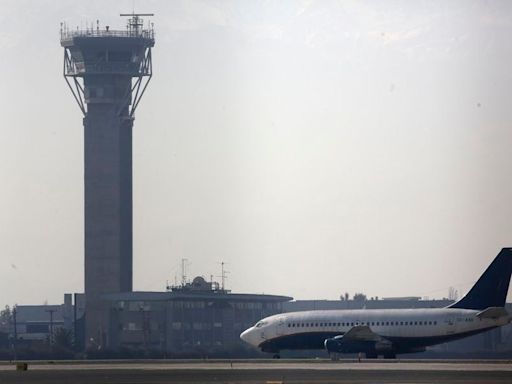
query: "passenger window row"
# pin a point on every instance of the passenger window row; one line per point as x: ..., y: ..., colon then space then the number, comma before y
x: 368, y: 323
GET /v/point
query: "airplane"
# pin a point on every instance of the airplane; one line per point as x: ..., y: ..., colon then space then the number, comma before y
x: 389, y: 332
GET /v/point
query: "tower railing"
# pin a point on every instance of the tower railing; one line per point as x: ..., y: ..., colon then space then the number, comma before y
x: 140, y: 33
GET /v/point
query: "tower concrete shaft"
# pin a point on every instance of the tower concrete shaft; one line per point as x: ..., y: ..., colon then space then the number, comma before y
x: 107, y: 72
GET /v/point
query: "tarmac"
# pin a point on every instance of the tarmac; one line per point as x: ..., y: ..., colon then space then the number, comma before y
x: 261, y: 371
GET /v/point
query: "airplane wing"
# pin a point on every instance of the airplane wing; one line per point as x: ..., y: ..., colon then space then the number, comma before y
x: 357, y: 338
x: 361, y: 333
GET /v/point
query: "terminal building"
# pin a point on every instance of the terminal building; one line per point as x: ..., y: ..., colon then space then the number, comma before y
x: 197, y: 317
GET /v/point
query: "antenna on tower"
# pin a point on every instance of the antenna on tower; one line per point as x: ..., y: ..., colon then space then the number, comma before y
x: 135, y: 23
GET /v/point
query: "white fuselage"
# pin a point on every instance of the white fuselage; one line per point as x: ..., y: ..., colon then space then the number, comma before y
x: 427, y: 326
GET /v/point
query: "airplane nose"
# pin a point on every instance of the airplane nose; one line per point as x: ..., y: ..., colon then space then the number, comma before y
x: 245, y: 335
x: 249, y: 337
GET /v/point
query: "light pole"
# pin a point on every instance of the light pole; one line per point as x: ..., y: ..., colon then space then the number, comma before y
x: 15, y: 332
x: 51, y: 311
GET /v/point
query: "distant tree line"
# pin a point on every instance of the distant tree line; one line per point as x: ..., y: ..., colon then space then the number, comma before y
x: 358, y: 296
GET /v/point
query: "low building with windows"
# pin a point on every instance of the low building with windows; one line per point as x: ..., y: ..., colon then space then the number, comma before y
x: 31, y: 323
x: 198, y: 317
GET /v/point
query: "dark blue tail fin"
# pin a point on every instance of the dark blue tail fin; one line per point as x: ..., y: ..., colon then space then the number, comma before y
x: 492, y: 287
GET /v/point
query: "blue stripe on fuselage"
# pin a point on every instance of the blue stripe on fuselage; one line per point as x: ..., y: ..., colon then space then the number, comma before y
x: 315, y: 340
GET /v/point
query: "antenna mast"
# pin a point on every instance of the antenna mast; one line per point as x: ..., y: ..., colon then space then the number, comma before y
x: 223, y: 275
x: 183, y: 272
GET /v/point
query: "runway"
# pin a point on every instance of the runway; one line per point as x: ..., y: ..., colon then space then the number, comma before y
x: 261, y: 371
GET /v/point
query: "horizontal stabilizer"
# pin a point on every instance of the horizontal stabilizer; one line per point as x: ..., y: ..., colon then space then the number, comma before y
x: 492, y: 313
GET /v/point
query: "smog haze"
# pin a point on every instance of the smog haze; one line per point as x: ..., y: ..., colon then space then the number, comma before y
x: 316, y: 147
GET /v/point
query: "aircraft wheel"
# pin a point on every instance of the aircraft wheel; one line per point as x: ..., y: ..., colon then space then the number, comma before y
x: 276, y: 356
x: 334, y: 356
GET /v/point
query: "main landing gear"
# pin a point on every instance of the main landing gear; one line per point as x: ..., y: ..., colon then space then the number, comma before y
x: 334, y: 356
x: 276, y: 356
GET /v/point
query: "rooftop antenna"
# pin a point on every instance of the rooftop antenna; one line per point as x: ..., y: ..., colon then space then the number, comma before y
x: 223, y: 275
x: 183, y: 272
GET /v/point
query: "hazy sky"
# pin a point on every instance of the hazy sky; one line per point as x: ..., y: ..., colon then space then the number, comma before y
x: 316, y: 147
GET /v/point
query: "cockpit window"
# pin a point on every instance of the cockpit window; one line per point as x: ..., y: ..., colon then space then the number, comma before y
x: 260, y: 324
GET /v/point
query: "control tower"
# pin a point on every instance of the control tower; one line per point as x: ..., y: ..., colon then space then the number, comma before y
x: 107, y: 72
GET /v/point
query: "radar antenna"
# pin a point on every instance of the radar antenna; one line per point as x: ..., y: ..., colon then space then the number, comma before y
x: 135, y: 22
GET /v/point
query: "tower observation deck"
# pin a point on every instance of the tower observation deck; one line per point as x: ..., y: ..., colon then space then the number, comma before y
x: 107, y: 72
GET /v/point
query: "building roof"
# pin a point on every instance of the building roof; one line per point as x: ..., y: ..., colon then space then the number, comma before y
x: 193, y: 295
x: 40, y: 313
